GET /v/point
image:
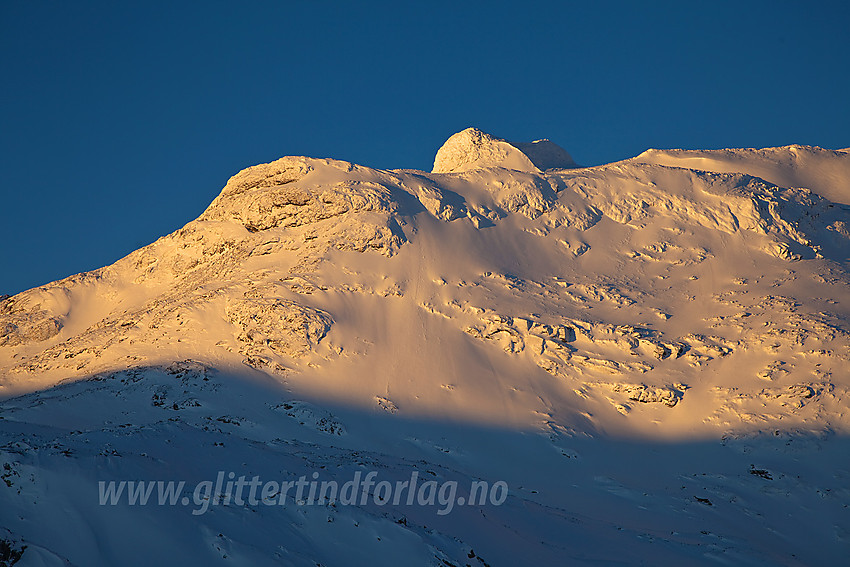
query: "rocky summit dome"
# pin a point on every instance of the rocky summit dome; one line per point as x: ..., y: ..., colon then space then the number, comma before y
x: 472, y: 148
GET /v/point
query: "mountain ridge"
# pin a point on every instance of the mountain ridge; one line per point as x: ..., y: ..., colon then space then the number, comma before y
x: 299, y: 213
x: 649, y: 355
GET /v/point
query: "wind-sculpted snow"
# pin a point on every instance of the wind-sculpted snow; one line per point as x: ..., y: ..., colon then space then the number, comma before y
x: 509, y: 315
x: 822, y: 171
x: 472, y: 148
x: 797, y: 221
x: 572, y: 348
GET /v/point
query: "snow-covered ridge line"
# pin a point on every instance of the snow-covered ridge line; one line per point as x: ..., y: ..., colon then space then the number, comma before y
x: 650, y: 354
x: 255, y: 279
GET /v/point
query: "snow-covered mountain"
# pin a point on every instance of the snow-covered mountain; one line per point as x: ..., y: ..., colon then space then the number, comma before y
x: 651, y: 354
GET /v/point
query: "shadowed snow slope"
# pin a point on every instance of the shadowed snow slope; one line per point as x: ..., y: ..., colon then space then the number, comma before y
x: 687, y: 310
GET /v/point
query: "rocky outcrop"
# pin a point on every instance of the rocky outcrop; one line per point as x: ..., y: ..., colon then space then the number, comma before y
x: 31, y: 317
x: 271, y: 326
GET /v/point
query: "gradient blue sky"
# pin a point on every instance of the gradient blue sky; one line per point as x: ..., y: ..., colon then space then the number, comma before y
x: 120, y: 122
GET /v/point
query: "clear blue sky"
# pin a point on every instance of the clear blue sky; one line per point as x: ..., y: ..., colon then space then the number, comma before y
x: 121, y: 121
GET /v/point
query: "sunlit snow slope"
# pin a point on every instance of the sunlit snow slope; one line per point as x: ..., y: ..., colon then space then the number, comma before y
x: 624, y: 344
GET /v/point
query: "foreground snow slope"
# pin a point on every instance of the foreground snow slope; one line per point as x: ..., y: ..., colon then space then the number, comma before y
x: 651, y: 353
